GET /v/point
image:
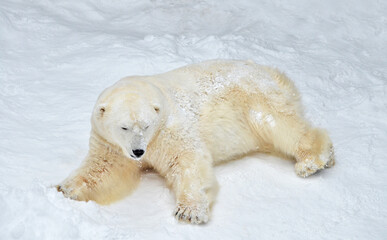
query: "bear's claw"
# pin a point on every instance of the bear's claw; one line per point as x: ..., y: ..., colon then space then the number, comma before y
x: 191, y: 214
x: 69, y: 192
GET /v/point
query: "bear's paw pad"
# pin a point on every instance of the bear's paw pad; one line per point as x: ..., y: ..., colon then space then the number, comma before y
x: 307, y: 167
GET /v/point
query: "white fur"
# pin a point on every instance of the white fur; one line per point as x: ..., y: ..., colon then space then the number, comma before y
x: 187, y: 120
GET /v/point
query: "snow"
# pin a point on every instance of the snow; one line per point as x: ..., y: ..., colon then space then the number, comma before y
x: 261, y: 118
x: 57, y: 56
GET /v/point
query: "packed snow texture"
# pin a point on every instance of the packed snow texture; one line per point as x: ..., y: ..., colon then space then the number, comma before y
x: 57, y: 56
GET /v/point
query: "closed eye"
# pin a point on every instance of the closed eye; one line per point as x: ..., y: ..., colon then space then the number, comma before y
x: 124, y: 128
x: 145, y: 128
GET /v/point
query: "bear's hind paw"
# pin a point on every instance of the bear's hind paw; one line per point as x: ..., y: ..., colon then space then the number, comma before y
x: 316, y: 163
x: 307, y: 167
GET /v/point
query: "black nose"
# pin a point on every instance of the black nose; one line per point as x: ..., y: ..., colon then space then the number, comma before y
x: 138, y: 152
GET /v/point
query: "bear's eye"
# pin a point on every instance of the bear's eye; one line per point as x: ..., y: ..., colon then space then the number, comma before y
x: 124, y: 128
x: 145, y: 128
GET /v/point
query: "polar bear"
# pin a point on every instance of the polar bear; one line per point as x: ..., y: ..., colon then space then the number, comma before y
x: 183, y: 122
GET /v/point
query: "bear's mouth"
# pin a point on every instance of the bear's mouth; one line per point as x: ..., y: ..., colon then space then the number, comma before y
x: 134, y: 157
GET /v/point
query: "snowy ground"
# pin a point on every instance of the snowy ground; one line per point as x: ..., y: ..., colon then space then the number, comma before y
x: 57, y: 56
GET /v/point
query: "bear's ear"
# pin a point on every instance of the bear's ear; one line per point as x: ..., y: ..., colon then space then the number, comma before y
x: 101, y: 109
x: 156, y: 107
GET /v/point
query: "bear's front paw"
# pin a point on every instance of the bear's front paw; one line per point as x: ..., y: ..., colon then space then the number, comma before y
x: 195, y: 214
x: 73, y: 190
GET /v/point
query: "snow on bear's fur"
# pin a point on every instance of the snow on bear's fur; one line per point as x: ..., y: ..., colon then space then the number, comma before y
x: 183, y: 122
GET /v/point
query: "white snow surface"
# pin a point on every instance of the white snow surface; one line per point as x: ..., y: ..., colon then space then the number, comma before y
x: 57, y: 56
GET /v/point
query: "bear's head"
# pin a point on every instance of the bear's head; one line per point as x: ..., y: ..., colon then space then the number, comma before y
x: 129, y: 114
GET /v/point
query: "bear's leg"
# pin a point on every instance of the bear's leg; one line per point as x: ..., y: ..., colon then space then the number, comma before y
x: 292, y: 135
x: 102, y: 179
x: 195, y: 187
